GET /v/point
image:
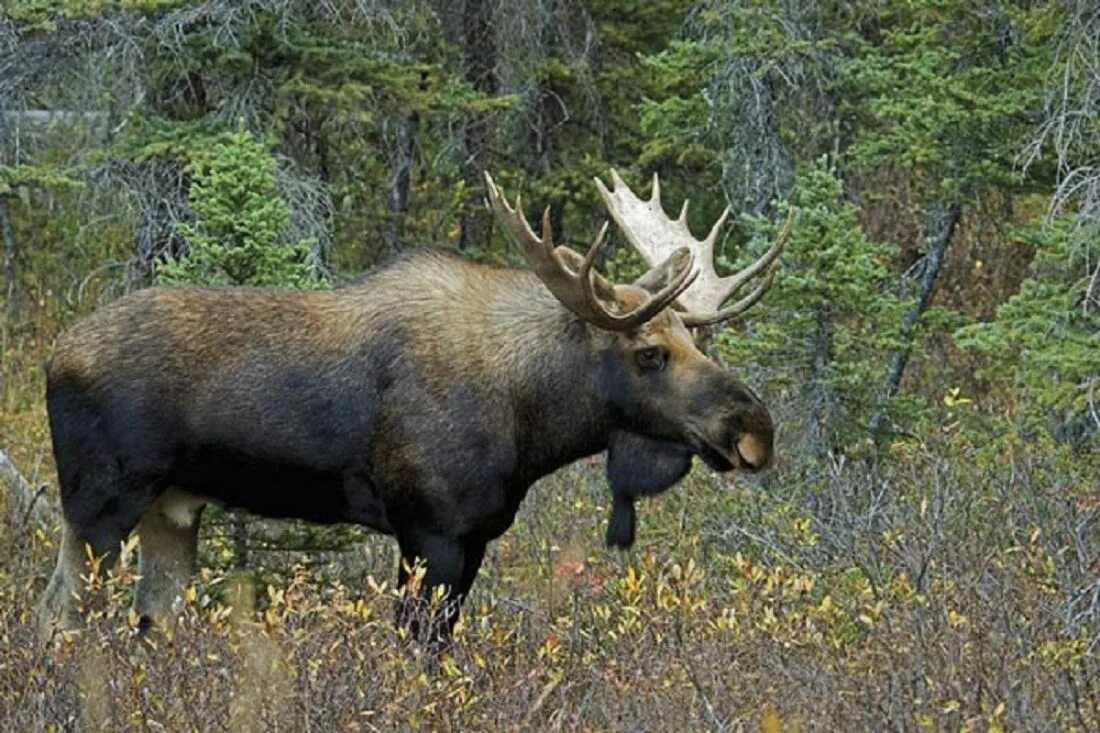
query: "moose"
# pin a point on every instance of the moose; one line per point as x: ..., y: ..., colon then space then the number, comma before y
x: 422, y: 401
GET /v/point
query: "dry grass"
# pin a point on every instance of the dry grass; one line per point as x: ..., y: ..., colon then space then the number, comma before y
x: 953, y: 609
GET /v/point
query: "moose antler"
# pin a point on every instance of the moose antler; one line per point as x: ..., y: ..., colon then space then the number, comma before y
x: 653, y: 235
x: 574, y: 288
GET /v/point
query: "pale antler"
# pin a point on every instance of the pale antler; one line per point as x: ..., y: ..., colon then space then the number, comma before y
x: 575, y: 288
x: 653, y: 234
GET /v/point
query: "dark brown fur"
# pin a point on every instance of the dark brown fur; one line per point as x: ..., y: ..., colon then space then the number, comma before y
x: 422, y: 402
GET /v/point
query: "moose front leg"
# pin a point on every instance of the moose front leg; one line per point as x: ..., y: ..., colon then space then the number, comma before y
x: 449, y: 564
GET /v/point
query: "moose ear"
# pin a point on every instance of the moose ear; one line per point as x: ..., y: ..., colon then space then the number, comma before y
x: 638, y: 466
x: 661, y: 275
x: 573, y: 260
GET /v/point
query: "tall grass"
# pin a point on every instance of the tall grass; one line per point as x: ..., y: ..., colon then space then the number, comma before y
x: 926, y: 593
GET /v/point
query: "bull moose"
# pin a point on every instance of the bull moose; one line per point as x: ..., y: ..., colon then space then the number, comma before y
x: 422, y: 401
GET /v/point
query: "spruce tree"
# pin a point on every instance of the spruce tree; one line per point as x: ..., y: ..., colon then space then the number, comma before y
x: 237, y: 235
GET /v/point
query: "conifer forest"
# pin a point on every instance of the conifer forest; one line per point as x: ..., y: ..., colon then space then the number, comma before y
x: 923, y: 553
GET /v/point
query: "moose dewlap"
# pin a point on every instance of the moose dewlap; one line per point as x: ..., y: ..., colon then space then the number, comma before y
x: 422, y: 401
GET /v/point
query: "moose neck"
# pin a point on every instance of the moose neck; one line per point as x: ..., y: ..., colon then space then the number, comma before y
x: 503, y: 336
x: 553, y: 361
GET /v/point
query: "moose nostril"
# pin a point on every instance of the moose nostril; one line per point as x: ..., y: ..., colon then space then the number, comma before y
x: 755, y: 453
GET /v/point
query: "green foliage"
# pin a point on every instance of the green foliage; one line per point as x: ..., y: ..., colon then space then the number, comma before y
x: 1045, y: 340
x: 46, y: 15
x: 674, y: 116
x: 745, y: 98
x: 152, y: 138
x: 829, y: 319
x: 239, y: 223
x: 13, y: 177
x: 941, y: 92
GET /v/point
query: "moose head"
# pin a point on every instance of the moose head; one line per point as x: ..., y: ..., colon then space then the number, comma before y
x: 669, y: 399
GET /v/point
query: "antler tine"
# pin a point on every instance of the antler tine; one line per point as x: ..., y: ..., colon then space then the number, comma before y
x: 576, y: 290
x: 539, y: 253
x: 707, y: 248
x: 584, y: 274
x: 735, y: 281
x: 729, y: 285
x: 696, y: 320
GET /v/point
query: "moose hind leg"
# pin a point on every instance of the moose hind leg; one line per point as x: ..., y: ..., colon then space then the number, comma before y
x: 103, y: 540
x: 97, y: 520
x: 58, y: 608
x: 169, y: 533
x: 110, y: 470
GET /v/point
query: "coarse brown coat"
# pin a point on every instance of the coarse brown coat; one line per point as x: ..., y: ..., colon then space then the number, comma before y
x: 422, y: 401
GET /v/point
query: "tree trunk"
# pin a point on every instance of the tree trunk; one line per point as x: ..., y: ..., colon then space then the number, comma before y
x: 940, y: 222
x: 9, y: 256
x: 480, y: 58
x: 398, y: 200
x: 820, y: 396
x: 549, y: 115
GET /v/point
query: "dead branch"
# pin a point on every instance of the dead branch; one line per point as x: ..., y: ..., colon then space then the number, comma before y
x: 27, y: 504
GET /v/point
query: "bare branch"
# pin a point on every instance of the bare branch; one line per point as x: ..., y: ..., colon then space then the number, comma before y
x: 26, y: 503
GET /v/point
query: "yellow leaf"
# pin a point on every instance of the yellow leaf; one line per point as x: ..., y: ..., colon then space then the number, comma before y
x: 770, y: 722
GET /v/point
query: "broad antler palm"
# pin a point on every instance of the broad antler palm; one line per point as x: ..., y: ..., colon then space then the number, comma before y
x: 654, y: 235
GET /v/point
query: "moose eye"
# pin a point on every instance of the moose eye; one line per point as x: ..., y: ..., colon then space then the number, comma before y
x: 652, y: 358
